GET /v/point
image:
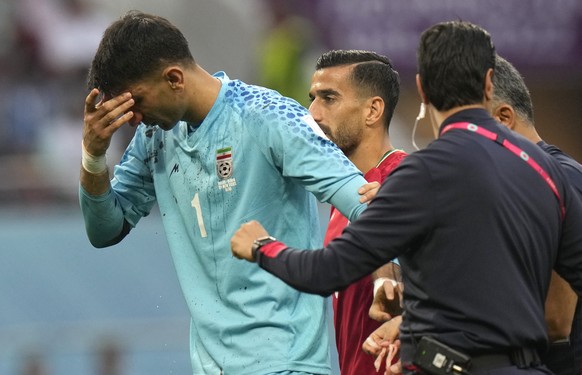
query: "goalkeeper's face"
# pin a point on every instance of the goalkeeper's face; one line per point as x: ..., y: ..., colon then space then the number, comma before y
x: 156, y: 104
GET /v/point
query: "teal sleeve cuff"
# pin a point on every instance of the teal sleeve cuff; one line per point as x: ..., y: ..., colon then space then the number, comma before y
x: 347, y: 199
x: 103, y: 217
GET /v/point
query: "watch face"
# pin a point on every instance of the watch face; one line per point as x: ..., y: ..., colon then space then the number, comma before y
x: 262, y: 241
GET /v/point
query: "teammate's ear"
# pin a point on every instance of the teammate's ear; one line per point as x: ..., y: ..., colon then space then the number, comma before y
x: 375, y: 110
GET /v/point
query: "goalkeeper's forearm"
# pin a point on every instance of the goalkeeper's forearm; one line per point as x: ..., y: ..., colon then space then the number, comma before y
x: 104, y: 221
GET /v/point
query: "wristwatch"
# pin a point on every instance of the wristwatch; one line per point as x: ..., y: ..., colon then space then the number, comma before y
x: 261, y: 242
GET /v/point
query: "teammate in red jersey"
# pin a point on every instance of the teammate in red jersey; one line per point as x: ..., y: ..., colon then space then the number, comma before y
x: 353, y: 95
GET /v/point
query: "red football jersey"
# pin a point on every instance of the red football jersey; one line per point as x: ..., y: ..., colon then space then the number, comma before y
x: 351, y: 305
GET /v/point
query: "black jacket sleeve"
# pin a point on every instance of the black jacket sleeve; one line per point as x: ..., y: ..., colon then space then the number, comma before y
x: 399, y: 215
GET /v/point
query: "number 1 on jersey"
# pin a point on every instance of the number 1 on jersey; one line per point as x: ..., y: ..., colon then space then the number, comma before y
x: 196, y: 205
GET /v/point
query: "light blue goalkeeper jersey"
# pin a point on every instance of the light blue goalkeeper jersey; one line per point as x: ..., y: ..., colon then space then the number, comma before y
x: 257, y: 155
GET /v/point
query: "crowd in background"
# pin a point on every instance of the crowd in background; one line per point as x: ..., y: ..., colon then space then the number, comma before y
x: 44, y: 58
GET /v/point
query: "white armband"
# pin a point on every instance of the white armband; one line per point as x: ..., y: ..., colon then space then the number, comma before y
x: 93, y: 164
x: 380, y: 281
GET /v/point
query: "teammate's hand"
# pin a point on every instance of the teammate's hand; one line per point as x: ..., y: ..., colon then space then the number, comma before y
x: 241, y: 242
x: 383, y: 342
x: 104, y: 118
x: 368, y: 191
x: 383, y: 336
x: 387, y: 302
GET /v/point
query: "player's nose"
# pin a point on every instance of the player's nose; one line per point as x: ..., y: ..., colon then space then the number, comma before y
x: 315, y: 112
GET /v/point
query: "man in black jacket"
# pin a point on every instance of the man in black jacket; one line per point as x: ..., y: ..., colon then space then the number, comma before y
x: 476, y: 219
x: 512, y: 106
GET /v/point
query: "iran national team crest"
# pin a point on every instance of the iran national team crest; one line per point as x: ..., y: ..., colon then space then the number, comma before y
x: 224, y: 162
x: 224, y: 167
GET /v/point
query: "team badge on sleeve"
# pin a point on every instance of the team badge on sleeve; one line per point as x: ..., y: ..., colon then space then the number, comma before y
x: 224, y: 168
